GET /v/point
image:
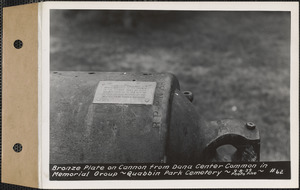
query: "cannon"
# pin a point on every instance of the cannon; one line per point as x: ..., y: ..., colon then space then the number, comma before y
x: 120, y: 117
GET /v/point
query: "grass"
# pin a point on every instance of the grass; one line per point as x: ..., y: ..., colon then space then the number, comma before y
x: 235, y: 63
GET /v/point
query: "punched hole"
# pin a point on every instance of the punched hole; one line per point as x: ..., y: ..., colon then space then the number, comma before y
x: 18, y: 44
x: 17, y: 147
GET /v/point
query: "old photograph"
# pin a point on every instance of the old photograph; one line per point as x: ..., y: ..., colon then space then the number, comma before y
x: 150, y: 95
x: 167, y: 86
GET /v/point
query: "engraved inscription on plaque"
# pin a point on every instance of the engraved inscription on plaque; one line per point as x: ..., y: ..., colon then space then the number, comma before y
x: 125, y: 92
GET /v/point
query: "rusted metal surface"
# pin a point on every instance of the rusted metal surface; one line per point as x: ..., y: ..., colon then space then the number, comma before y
x: 168, y: 129
x: 85, y: 132
x: 193, y: 139
x: 234, y: 132
x: 184, y: 140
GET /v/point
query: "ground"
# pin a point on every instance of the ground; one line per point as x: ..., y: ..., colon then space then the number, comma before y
x: 237, y: 64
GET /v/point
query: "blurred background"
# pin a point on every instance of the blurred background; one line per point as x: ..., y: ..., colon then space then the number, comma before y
x: 237, y: 64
